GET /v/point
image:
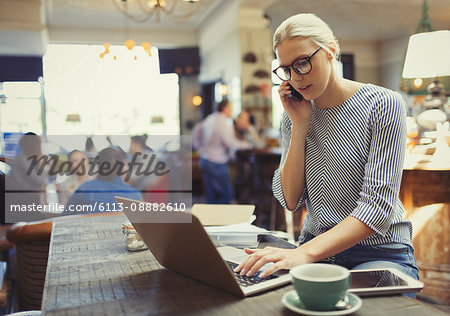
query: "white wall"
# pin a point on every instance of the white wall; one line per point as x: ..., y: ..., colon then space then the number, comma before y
x: 391, y: 58
x: 224, y: 39
x: 378, y: 62
x: 219, y: 45
x: 365, y: 59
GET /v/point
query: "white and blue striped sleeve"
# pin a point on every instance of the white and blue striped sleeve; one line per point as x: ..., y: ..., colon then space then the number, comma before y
x: 276, y: 181
x: 383, y: 171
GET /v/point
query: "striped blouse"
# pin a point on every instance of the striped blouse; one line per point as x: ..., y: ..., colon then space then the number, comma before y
x: 353, y: 165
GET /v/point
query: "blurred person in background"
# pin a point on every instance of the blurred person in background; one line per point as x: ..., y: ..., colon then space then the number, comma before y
x: 244, y: 125
x: 78, y: 175
x: 215, y: 139
x: 154, y: 188
x: 90, y: 150
x: 21, y: 178
x: 141, y: 154
x: 25, y: 185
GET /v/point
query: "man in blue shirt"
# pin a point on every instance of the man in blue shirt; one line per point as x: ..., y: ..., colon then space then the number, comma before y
x: 98, y: 195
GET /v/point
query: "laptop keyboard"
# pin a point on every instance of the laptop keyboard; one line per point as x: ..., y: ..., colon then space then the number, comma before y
x: 244, y: 280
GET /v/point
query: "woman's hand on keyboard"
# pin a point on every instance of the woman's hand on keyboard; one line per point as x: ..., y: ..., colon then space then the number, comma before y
x: 282, y: 259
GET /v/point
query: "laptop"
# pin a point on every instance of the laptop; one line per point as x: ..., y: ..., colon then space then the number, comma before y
x: 183, y: 246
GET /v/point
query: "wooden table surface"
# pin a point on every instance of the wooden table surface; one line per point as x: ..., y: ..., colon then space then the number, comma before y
x: 90, y: 272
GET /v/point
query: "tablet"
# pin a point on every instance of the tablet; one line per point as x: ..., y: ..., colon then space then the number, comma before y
x: 372, y: 282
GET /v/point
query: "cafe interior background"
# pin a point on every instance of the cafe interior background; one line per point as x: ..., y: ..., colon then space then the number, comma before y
x: 106, y: 67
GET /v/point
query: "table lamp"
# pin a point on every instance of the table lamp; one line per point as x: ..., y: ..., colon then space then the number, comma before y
x: 428, y: 56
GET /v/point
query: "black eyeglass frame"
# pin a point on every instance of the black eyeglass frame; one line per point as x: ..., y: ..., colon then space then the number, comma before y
x: 308, y: 59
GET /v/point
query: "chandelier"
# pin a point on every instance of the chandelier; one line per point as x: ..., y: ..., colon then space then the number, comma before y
x: 130, y: 44
x: 142, y: 10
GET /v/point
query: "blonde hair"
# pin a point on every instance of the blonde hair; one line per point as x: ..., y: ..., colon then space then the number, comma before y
x: 307, y: 25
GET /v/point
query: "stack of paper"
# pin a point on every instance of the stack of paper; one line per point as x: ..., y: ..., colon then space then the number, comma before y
x: 223, y: 214
x: 236, y: 235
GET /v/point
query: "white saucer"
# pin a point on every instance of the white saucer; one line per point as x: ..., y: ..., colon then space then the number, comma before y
x: 292, y: 302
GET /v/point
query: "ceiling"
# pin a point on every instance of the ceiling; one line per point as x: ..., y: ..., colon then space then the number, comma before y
x: 366, y: 19
x: 350, y: 19
x: 102, y: 14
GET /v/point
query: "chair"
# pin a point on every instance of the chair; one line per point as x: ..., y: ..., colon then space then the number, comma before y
x: 32, y: 243
x: 244, y: 173
x: 269, y: 212
x: 197, y: 178
x: 5, y: 245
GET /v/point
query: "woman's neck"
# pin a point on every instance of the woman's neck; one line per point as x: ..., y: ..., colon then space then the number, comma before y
x: 337, y: 92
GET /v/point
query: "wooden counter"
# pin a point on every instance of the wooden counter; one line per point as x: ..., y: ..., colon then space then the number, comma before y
x: 90, y: 272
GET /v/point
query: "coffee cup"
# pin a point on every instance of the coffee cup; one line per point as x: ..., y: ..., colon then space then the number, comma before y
x: 319, y: 285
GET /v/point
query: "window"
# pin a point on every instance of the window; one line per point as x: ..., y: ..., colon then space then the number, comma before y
x: 89, y: 95
x: 20, y: 107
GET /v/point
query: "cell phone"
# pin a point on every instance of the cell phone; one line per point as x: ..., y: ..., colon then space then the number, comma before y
x: 295, y: 94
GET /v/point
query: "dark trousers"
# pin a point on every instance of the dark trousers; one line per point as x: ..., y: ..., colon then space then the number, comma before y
x: 393, y: 255
x: 217, y: 182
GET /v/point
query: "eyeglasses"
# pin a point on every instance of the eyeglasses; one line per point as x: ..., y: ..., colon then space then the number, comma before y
x: 302, y: 66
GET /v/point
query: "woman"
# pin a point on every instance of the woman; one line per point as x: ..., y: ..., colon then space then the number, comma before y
x: 343, y: 154
x: 142, y: 155
x: 245, y: 130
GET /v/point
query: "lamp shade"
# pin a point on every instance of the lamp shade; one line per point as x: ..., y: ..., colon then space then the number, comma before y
x: 428, y: 55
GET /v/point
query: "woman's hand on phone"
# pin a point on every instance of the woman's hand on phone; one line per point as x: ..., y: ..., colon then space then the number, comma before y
x: 298, y: 111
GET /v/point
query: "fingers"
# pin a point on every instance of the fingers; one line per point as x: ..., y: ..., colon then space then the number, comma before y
x: 277, y: 266
x: 257, y: 259
x: 249, y: 252
x: 282, y: 259
x: 260, y: 263
x: 249, y: 262
x: 284, y: 90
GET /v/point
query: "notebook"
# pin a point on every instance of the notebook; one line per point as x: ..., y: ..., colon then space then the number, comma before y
x: 222, y: 214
